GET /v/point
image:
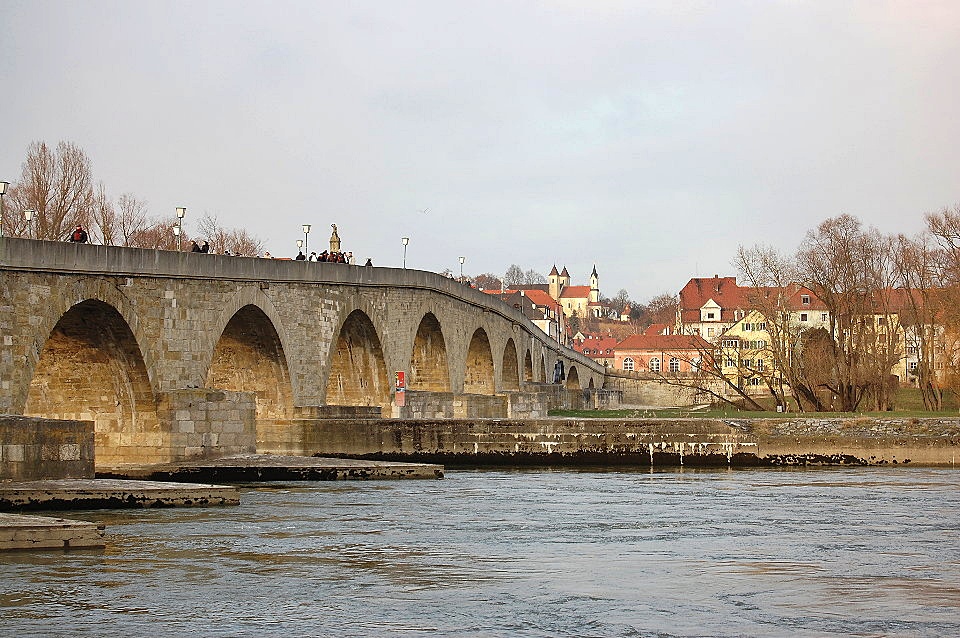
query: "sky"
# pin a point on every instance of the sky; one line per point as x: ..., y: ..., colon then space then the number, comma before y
x: 650, y: 139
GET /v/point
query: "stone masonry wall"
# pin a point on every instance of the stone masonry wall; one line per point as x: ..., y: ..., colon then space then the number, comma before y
x: 207, y: 423
x: 34, y: 449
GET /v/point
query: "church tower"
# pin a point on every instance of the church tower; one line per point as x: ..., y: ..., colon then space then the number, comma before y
x: 594, y: 285
x: 554, y: 287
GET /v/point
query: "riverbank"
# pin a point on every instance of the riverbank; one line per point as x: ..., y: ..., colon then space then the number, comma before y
x: 608, y: 442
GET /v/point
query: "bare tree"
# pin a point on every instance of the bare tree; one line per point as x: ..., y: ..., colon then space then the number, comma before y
x: 709, y: 376
x: 620, y: 301
x: 487, y: 281
x: 103, y: 217
x: 944, y: 227
x: 513, y: 277
x: 851, y: 271
x: 532, y: 277
x: 222, y: 239
x: 663, y: 309
x: 57, y: 184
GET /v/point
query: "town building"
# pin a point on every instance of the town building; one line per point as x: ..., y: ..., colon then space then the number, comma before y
x: 661, y: 353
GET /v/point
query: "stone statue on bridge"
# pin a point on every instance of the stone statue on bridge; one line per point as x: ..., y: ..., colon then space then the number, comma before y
x: 334, y: 240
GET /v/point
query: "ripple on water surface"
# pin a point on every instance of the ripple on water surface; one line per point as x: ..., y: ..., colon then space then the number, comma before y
x: 776, y: 553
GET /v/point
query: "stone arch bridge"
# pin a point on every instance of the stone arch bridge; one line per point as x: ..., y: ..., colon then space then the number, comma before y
x: 175, y: 355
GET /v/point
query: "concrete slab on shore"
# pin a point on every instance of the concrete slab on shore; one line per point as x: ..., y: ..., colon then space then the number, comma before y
x: 70, y: 494
x: 42, y: 532
x: 274, y: 467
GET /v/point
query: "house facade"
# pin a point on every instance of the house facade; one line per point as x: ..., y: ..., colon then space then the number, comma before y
x: 660, y: 353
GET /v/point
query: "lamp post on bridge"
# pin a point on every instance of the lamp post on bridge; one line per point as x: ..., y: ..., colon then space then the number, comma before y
x: 404, y: 241
x: 462, y: 259
x: 306, y: 235
x: 3, y: 191
x: 178, y: 229
x: 299, y: 246
x: 29, y: 215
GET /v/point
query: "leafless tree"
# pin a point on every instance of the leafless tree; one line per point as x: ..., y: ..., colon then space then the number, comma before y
x: 513, y: 277
x: 919, y: 272
x: 944, y: 227
x: 663, y: 309
x: 235, y: 240
x: 850, y: 269
x: 57, y: 184
x: 708, y: 377
x: 487, y: 281
x: 532, y: 277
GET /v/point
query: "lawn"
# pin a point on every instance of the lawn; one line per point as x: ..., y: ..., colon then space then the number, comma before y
x: 909, y: 404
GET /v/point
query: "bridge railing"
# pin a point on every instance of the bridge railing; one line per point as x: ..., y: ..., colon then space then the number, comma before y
x: 116, y: 261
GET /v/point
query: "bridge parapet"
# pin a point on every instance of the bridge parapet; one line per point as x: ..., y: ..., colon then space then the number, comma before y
x: 106, y: 334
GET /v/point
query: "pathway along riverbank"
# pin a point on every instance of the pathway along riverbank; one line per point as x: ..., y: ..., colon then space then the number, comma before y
x: 630, y: 442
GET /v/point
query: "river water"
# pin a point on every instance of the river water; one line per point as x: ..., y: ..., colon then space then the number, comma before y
x: 839, y: 552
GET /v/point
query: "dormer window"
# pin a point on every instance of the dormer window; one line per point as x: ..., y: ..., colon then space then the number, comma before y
x: 711, y: 315
x: 805, y: 300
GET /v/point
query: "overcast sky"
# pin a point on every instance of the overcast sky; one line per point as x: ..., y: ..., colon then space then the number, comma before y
x: 648, y: 138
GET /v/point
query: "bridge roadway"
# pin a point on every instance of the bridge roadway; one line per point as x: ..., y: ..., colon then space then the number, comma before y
x: 182, y: 355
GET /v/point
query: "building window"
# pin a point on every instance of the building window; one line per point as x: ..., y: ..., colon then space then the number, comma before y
x: 730, y: 362
x: 709, y: 332
x: 762, y: 325
x: 803, y: 316
x: 655, y: 365
x: 730, y: 343
x: 674, y: 364
x: 748, y: 327
x: 709, y: 315
x: 759, y: 364
x: 628, y: 364
x: 805, y: 300
x: 824, y: 317
x: 748, y: 363
x: 755, y: 381
x: 913, y: 366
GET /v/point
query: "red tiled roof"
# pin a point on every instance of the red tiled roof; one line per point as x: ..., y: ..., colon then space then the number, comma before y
x: 594, y: 345
x: 664, y: 342
x: 659, y: 329
x: 575, y: 292
x: 723, y: 290
x: 729, y: 296
x: 540, y: 298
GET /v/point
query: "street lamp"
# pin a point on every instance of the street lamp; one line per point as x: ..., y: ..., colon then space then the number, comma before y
x: 462, y: 259
x: 3, y: 191
x: 405, y: 241
x: 28, y: 215
x: 306, y: 234
x: 299, y: 246
x: 181, y: 211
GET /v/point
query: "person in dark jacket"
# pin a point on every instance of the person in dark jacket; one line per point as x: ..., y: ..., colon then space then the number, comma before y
x: 78, y: 236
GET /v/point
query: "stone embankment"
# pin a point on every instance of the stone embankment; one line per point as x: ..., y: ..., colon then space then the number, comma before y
x: 635, y: 442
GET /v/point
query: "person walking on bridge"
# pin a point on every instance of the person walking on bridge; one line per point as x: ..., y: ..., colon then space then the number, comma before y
x: 78, y: 236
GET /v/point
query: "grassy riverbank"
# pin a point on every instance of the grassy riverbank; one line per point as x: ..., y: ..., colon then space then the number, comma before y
x: 909, y: 404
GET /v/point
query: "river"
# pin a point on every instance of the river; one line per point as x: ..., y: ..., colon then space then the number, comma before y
x: 827, y: 552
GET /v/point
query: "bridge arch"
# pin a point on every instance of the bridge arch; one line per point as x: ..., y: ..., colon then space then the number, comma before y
x: 429, y: 369
x: 91, y: 368
x: 528, y: 367
x: 357, y: 369
x: 573, y: 378
x: 509, y: 369
x: 478, y: 377
x: 249, y: 357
